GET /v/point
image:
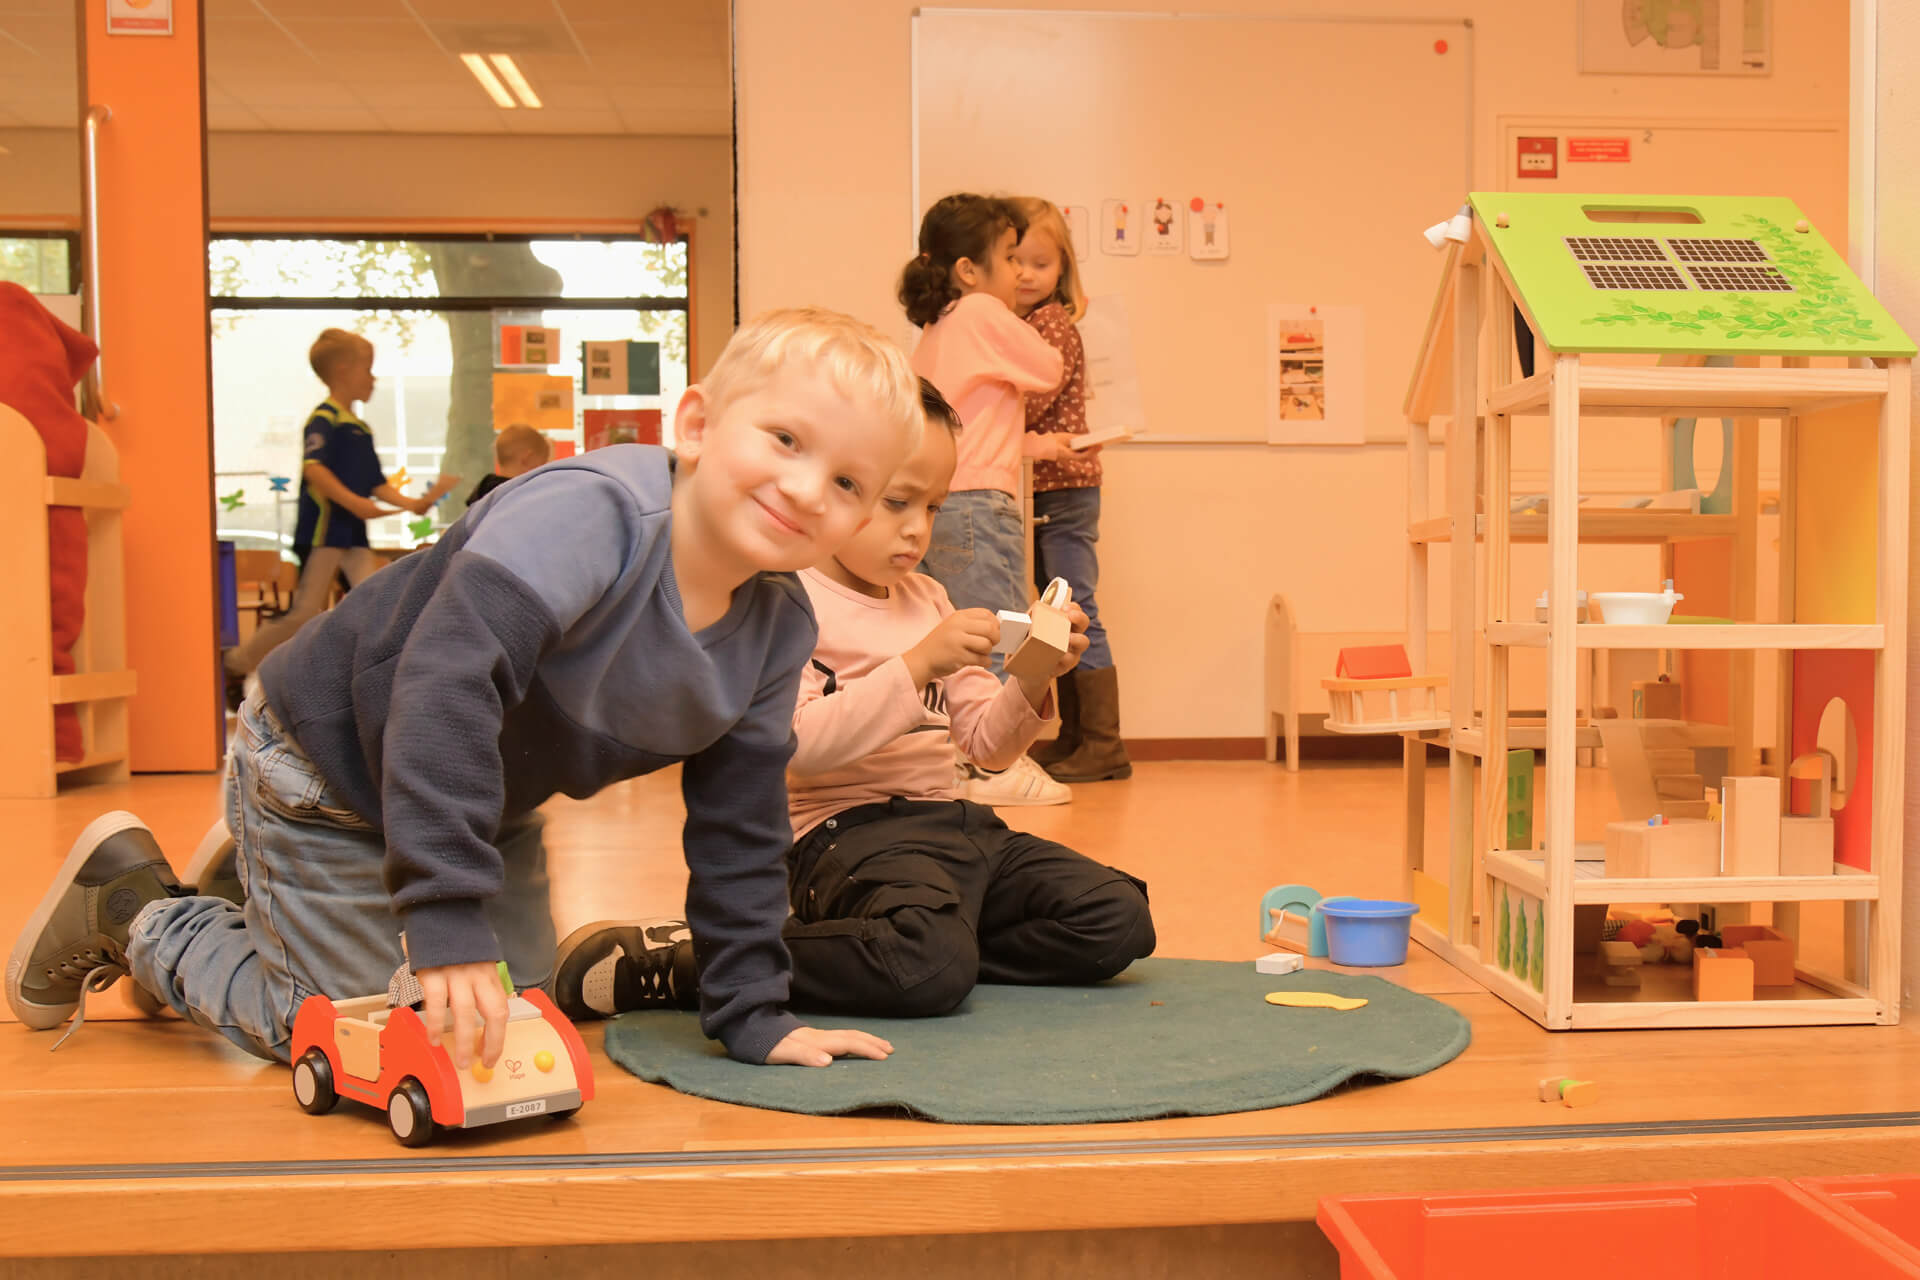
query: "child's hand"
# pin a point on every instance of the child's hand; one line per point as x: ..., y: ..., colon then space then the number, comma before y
x: 1077, y: 642
x: 424, y: 503
x: 1053, y: 447
x: 813, y: 1047
x: 368, y: 509
x: 963, y: 639
x: 474, y: 994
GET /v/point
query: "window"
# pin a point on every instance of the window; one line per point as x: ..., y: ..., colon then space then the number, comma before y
x: 41, y: 261
x: 432, y: 309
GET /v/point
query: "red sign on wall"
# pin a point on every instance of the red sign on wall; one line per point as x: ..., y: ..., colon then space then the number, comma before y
x: 1538, y: 158
x: 1599, y: 150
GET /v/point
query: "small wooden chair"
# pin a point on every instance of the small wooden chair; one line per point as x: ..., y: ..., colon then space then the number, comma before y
x: 1283, y: 683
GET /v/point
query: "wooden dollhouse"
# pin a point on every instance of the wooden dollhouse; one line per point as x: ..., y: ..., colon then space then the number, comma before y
x: 1674, y: 308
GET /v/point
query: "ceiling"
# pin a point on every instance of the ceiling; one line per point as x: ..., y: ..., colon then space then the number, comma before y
x: 392, y: 66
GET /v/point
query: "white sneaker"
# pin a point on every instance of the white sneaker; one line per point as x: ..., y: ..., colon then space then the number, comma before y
x: 1024, y: 783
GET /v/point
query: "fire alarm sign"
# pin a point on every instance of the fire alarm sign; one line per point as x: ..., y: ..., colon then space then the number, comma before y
x: 1539, y: 158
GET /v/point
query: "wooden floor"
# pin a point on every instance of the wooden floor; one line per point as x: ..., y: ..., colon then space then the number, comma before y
x: 200, y: 1149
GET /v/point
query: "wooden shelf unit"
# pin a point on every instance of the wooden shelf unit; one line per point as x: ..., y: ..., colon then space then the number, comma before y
x: 101, y: 683
x: 1478, y: 460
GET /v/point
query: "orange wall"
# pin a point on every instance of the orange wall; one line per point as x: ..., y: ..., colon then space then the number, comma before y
x: 153, y: 313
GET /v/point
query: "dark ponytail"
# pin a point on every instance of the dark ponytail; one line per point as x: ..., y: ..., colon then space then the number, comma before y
x: 958, y: 226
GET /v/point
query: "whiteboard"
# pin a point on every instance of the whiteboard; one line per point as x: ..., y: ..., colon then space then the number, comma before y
x: 1332, y: 143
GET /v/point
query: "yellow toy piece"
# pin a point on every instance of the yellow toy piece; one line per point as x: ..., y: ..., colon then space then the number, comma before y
x: 1314, y: 1000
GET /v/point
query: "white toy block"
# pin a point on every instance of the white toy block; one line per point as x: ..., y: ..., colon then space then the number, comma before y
x: 1280, y: 962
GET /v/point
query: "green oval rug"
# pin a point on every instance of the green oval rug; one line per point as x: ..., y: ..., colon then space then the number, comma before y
x: 1165, y: 1038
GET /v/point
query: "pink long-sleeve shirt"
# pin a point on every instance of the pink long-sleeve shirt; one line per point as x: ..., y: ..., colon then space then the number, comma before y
x: 986, y: 360
x: 865, y: 732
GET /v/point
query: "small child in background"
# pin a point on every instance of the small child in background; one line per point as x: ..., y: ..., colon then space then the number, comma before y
x: 517, y: 450
x: 340, y: 478
x: 960, y: 291
x: 1066, y: 501
x: 904, y: 895
x: 391, y: 760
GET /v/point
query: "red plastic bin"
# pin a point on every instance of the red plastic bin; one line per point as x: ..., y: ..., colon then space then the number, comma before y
x: 1888, y: 1205
x: 1749, y: 1229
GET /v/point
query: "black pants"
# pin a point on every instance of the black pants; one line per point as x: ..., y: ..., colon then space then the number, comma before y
x: 901, y: 907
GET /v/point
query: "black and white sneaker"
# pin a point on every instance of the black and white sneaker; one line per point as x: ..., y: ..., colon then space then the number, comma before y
x: 617, y: 966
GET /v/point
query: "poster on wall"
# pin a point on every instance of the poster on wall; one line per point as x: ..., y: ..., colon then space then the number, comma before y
x: 1679, y: 37
x: 1207, y: 229
x: 1115, y: 406
x: 1163, y: 227
x: 1077, y: 229
x: 542, y: 401
x: 1316, y: 376
x: 1119, y: 229
x: 139, y: 17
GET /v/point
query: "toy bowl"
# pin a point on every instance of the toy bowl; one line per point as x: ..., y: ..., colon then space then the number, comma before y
x: 1367, y: 932
x: 1635, y: 608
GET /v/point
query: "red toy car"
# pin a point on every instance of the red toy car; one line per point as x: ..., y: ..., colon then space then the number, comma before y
x: 363, y: 1050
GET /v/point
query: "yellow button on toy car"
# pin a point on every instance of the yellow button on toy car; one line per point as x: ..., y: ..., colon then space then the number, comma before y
x: 543, y: 1060
x: 482, y: 1072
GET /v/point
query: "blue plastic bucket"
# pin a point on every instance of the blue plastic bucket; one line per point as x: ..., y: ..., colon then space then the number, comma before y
x: 1365, y: 932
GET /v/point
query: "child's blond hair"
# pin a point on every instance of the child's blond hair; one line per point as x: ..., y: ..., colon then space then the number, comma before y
x: 333, y: 346
x: 857, y: 359
x: 1045, y: 216
x: 521, y: 443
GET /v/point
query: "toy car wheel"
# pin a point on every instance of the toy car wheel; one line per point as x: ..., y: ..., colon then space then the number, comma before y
x: 410, y: 1115
x: 313, y: 1083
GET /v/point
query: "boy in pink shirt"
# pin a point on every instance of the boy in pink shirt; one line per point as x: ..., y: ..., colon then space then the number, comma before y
x: 903, y: 894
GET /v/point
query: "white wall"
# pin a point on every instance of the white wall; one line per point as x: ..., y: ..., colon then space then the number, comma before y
x: 1197, y: 537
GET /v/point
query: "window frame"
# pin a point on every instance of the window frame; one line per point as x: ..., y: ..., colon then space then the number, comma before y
x: 72, y: 239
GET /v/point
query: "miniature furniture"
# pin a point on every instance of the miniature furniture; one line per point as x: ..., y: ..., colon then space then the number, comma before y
x: 1725, y: 302
x: 101, y: 684
x: 1384, y: 672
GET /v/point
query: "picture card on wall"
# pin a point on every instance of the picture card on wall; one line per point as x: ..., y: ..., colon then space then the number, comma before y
x: 1163, y: 226
x: 621, y: 426
x: 620, y: 368
x: 1119, y: 229
x: 1316, y: 374
x: 1681, y: 37
x: 528, y: 344
x: 1077, y: 228
x: 1115, y: 406
x: 540, y: 400
x: 1207, y: 229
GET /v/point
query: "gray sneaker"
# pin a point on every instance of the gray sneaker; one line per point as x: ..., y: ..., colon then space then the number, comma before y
x: 617, y: 966
x: 214, y: 871
x: 76, y: 940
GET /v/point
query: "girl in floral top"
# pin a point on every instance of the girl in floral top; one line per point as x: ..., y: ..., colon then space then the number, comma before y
x: 1066, y: 500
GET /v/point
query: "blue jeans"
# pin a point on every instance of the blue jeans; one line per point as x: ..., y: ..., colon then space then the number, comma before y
x: 978, y: 551
x: 1066, y: 525
x: 318, y: 919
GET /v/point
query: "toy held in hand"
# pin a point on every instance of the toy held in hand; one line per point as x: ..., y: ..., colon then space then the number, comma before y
x: 1035, y: 642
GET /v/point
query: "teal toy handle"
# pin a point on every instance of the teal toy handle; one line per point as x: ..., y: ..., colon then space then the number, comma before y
x: 1287, y: 896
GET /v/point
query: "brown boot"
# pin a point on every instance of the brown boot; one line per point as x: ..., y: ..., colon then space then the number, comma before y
x: 1046, y: 754
x: 1100, y: 755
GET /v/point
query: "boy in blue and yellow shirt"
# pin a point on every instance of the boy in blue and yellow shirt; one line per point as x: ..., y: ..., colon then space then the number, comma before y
x: 340, y: 476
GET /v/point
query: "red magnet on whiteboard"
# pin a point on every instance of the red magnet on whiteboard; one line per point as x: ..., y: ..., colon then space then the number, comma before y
x: 1196, y: 204
x: 1439, y: 46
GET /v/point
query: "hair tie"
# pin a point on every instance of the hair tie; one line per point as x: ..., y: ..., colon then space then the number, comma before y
x: 926, y: 257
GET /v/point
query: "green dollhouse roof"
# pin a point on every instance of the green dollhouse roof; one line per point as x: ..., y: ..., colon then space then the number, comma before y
x: 1742, y: 280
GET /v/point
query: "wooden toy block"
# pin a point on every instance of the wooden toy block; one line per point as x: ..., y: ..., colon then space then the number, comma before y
x: 1048, y: 631
x: 1680, y: 848
x: 1751, y: 816
x: 1772, y: 952
x: 1806, y: 846
x: 1722, y: 973
x: 1571, y: 1093
x: 1679, y: 786
x: 1816, y: 770
x: 1656, y: 700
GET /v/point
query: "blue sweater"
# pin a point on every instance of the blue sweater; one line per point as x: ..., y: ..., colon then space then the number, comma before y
x: 540, y: 647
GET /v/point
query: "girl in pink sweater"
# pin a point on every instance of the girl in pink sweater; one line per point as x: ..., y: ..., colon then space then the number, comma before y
x: 960, y: 291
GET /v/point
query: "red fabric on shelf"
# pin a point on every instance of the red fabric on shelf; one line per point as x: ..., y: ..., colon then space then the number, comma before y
x: 45, y: 361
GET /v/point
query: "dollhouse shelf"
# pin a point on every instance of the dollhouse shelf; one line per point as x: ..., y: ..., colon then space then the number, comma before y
x: 1669, y: 391
x: 1846, y: 884
x: 1747, y: 635
x: 1525, y: 735
x: 1617, y: 527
